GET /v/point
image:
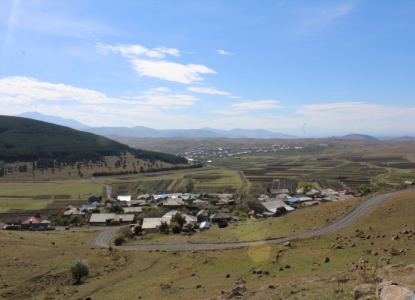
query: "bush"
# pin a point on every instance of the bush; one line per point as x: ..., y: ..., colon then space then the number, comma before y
x: 75, y: 220
x: 179, y: 219
x: 164, y: 227
x: 119, y: 240
x: 137, y: 229
x: 240, y: 214
x: 243, y: 207
x: 95, y: 210
x: 116, y: 209
x: 79, y: 270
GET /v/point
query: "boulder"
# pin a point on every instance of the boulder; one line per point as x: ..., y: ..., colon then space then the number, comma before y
x: 364, y: 291
x: 401, y: 265
x: 326, y: 259
x: 287, y: 244
x: 394, y: 292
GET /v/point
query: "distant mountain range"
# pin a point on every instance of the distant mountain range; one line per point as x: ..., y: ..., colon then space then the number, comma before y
x: 141, y: 131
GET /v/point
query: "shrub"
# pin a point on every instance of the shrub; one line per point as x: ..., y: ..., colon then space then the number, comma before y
x: 96, y: 210
x: 163, y: 227
x: 243, y: 207
x: 137, y: 229
x: 75, y: 220
x: 176, y: 228
x: 79, y: 269
x: 119, y: 240
x: 240, y: 214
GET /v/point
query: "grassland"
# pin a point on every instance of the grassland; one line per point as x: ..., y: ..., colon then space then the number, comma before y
x: 35, y: 265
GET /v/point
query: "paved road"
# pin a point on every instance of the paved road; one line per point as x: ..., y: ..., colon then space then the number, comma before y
x: 105, y: 236
x: 107, y: 187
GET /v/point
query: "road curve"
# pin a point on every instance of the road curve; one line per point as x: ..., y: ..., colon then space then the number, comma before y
x: 105, y: 237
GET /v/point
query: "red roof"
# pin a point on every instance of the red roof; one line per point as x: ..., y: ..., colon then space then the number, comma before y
x: 34, y: 220
x: 252, y: 212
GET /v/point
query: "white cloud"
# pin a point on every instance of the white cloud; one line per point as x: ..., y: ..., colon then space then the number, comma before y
x: 223, y: 52
x: 155, y: 67
x: 170, y: 71
x: 203, y: 90
x: 261, y: 104
x: 137, y: 50
x: 29, y: 91
x: 21, y: 90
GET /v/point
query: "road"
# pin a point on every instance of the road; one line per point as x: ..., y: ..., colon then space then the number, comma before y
x: 107, y: 187
x: 104, y: 238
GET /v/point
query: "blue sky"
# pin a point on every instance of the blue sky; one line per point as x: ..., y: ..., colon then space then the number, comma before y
x: 338, y: 65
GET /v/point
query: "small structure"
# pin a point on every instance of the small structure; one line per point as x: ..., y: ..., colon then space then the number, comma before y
x: 94, y: 198
x: 143, y: 197
x: 126, y: 198
x: 172, y: 203
x: 2, y: 225
x: 189, y: 219
x: 71, y: 211
x: 409, y: 182
x: 271, y: 207
x: 132, y: 209
x: 204, y: 225
x: 161, y: 196
x: 152, y: 223
x: 202, y: 213
x: 279, y: 191
x: 199, y: 202
x: 34, y: 222
x: 218, y: 217
x: 101, y: 219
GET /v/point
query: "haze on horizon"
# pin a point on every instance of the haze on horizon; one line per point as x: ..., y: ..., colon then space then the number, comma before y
x: 345, y: 66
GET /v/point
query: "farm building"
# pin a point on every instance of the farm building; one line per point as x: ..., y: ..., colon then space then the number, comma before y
x: 100, y: 219
x: 94, y: 198
x: 34, y: 222
x: 152, y: 223
x: 218, y: 217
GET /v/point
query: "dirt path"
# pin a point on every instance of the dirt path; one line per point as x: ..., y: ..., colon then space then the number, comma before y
x: 104, y: 238
x: 107, y: 187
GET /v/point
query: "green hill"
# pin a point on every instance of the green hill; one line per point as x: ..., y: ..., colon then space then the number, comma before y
x: 23, y: 139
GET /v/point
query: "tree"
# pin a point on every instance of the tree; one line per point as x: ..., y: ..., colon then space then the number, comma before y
x: 179, y: 219
x: 37, y: 215
x: 79, y: 270
x: 304, y: 187
x: 119, y: 240
x: 364, y: 189
x: 75, y: 219
x: 190, y: 186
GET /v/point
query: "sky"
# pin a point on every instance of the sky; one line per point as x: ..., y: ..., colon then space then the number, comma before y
x: 288, y: 66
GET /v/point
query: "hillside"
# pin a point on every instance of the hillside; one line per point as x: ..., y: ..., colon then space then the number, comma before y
x: 54, y: 120
x: 23, y: 139
x: 357, y: 137
x: 404, y: 139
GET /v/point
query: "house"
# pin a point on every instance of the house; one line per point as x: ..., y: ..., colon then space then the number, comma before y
x: 161, y: 196
x: 329, y: 192
x: 94, y: 198
x: 271, y: 206
x: 176, y: 195
x: 34, y: 222
x: 126, y: 198
x: 90, y: 206
x: 132, y: 209
x: 409, y: 183
x: 284, y: 196
x: 172, y: 203
x: 152, y: 223
x: 200, y: 202
x: 202, y: 213
x: 279, y: 191
x: 100, y: 219
x: 218, y: 217
x: 72, y: 211
x: 143, y: 197
x: 189, y: 219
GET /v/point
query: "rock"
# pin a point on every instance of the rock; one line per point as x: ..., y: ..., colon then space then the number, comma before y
x: 271, y: 286
x: 240, y: 288
x: 340, y: 279
x: 259, y: 271
x: 228, y: 275
x: 326, y: 260
x: 287, y: 244
x: 393, y: 292
x: 287, y: 266
x: 352, y: 245
x: 198, y: 286
x: 53, y: 243
x: 240, y: 281
x: 374, y: 253
x: 401, y: 265
x: 363, y: 291
x: 395, y: 237
x: 382, y: 285
x: 266, y: 272
x: 254, y: 272
x: 280, y: 269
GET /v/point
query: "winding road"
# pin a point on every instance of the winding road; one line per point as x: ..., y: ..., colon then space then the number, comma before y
x: 104, y: 238
x: 108, y: 188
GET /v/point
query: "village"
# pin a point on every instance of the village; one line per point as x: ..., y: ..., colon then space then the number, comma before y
x: 184, y: 213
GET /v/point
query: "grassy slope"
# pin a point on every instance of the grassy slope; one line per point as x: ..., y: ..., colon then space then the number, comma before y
x: 120, y: 274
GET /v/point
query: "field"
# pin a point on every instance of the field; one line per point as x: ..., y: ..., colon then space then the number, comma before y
x: 36, y: 265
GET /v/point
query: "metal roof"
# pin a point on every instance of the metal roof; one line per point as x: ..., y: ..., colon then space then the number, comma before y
x: 151, y: 223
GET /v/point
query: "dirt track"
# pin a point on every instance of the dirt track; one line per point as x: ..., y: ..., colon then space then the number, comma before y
x: 105, y: 237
